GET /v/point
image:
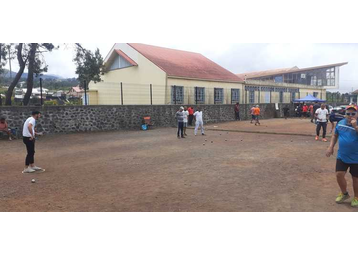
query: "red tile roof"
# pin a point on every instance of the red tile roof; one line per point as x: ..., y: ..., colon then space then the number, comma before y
x: 284, y: 71
x: 184, y: 64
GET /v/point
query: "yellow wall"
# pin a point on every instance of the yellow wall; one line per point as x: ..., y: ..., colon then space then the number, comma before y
x: 189, y: 90
x: 136, y: 84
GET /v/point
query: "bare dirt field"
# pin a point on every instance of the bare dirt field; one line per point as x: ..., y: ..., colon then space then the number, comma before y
x: 153, y: 171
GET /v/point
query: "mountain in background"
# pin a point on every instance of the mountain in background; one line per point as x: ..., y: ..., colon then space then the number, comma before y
x: 6, y: 74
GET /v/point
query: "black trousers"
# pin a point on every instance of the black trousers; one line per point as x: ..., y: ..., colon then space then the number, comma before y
x: 30, y: 146
x: 181, y: 129
x: 237, y: 116
x: 191, y: 117
x: 324, y: 126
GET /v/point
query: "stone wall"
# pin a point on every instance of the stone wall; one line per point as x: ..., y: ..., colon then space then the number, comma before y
x: 63, y: 119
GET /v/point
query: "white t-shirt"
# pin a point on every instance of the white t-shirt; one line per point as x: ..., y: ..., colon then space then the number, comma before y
x: 186, y: 114
x: 25, y: 131
x: 322, y: 115
x: 198, y: 116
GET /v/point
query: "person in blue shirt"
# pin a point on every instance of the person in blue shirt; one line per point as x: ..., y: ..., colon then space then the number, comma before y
x: 346, y: 133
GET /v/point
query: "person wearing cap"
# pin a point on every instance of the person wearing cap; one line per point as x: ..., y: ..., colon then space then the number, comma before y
x: 180, y: 118
x: 346, y: 133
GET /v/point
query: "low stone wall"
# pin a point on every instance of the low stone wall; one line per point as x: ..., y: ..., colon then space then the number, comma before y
x: 63, y: 119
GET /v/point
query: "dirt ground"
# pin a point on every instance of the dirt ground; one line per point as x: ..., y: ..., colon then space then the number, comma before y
x: 153, y: 171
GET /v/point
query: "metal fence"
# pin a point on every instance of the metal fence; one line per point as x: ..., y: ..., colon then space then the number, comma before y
x: 153, y: 94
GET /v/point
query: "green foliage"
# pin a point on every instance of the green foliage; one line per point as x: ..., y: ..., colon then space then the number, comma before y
x: 3, y: 56
x: 51, y: 103
x: 89, y: 65
x: 74, y: 102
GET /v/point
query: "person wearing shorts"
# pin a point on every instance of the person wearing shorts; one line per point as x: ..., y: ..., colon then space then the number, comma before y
x: 346, y: 133
x: 252, y: 111
x: 257, y: 113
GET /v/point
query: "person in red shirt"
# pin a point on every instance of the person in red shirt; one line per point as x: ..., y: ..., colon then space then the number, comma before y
x: 4, y: 127
x: 191, y: 115
x: 311, y: 112
x: 305, y: 111
x: 237, y: 112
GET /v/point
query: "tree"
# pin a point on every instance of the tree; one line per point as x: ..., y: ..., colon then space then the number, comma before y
x: 37, y: 65
x: 89, y: 66
x: 22, y: 57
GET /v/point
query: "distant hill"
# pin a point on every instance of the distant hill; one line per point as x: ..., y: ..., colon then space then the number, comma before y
x: 6, y: 74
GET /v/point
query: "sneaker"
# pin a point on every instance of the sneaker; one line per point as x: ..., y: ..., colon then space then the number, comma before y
x: 28, y: 170
x: 355, y: 202
x: 324, y: 140
x: 341, y: 198
x: 37, y: 168
x: 317, y: 138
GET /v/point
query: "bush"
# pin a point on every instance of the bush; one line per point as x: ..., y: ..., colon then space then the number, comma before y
x: 51, y: 103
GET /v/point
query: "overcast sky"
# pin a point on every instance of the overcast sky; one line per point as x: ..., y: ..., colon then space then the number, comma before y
x: 240, y: 58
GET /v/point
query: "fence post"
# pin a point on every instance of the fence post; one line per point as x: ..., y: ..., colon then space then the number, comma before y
x: 151, y: 94
x: 122, y: 93
x: 85, y: 84
x: 41, y: 91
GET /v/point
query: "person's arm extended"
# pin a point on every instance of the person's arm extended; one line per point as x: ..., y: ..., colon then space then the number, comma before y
x: 330, y: 149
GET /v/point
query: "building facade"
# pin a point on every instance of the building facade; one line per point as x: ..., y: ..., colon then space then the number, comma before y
x: 139, y: 74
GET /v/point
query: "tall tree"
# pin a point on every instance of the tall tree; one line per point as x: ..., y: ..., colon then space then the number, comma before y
x: 37, y: 65
x: 89, y: 65
x: 22, y: 57
x: 3, y: 56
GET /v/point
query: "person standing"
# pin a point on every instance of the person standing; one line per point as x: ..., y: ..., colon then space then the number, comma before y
x: 322, y: 117
x: 237, y: 112
x: 29, y: 136
x: 191, y: 115
x: 180, y: 119
x: 186, y: 116
x: 310, y: 109
x: 346, y: 133
x: 198, y: 117
x: 316, y: 106
x: 252, y: 112
x: 305, y: 111
x: 257, y: 113
x: 286, y: 111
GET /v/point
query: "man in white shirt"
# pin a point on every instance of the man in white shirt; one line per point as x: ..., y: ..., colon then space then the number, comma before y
x: 198, y: 117
x: 29, y: 135
x: 186, y: 117
x: 322, y: 115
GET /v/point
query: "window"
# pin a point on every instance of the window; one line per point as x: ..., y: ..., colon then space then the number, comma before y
x: 315, y: 94
x: 218, y: 96
x: 235, y: 96
x: 281, y: 97
x: 252, y: 97
x: 267, y: 97
x: 120, y: 62
x: 177, y: 94
x: 293, y: 96
x: 200, y: 95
